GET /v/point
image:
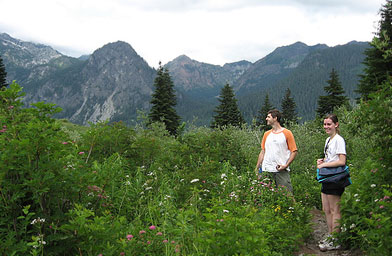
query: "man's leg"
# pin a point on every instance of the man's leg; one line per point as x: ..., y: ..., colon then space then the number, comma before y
x: 282, y: 178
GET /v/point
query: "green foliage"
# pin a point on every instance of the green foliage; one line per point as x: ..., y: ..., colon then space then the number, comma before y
x: 289, y: 113
x: 263, y: 112
x: 34, y: 158
x: 111, y: 189
x: 377, y: 67
x: 163, y: 102
x: 227, y: 112
x: 334, y: 98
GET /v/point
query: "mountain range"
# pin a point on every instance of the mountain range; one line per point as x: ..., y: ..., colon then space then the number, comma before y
x: 114, y: 82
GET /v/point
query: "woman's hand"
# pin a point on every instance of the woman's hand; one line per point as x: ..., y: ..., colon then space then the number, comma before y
x: 320, y: 163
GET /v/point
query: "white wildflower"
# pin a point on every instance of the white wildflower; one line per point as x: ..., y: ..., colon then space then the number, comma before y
x: 355, y: 195
x: 223, y: 176
x: 222, y: 182
x: 148, y: 188
x: 358, y: 200
x: 194, y: 180
x: 373, y: 185
x: 352, y: 226
x: 225, y: 211
x: 127, y: 183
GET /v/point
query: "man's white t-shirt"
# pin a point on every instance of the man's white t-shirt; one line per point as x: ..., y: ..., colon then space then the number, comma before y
x: 277, y: 149
x: 334, y: 147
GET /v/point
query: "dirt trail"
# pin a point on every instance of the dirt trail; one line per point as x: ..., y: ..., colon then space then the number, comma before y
x: 310, y: 247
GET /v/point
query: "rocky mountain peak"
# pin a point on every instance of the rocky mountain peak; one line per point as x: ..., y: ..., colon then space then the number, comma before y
x: 26, y: 54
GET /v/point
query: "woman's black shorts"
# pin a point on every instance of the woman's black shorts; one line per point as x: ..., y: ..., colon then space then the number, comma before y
x: 332, y: 189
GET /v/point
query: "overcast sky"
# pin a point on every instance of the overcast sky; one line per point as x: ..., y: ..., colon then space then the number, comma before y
x: 211, y: 31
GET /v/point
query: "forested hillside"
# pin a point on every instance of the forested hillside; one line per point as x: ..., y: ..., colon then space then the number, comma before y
x: 307, y: 81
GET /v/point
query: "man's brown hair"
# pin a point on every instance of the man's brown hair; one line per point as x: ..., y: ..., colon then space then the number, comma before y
x: 275, y: 113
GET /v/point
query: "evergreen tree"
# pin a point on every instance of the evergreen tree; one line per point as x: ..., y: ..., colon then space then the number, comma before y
x: 377, y: 68
x: 263, y: 112
x: 3, y: 75
x: 227, y: 111
x: 334, y: 97
x: 288, y: 108
x: 164, y: 101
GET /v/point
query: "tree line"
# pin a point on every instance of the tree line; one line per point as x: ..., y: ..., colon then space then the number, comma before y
x: 376, y: 72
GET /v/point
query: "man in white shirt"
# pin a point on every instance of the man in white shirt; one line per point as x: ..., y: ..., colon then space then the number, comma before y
x: 278, y: 150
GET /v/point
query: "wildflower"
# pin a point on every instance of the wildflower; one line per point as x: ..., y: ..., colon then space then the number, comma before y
x: 165, y: 241
x: 221, y: 220
x: 381, y: 206
x: 148, y: 242
x: 358, y: 200
x: 355, y: 195
x: 64, y: 143
x: 203, y: 181
x: 352, y: 226
x: 122, y: 253
x: 194, y: 180
x: 223, y: 176
x: 152, y: 227
x: 100, y: 254
x: 142, y: 232
x: 10, y: 107
x: 37, y: 220
x: 225, y: 211
x: 173, y: 242
x: 386, y: 197
x: 129, y: 237
x: 81, y: 153
x: 148, y: 188
x: 159, y: 234
x: 373, y: 185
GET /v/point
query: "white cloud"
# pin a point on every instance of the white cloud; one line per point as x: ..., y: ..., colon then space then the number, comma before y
x: 212, y: 31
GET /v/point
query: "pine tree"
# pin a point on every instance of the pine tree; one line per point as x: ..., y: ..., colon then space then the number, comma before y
x: 334, y: 97
x: 3, y: 75
x: 377, y: 68
x: 288, y: 109
x: 263, y: 112
x: 227, y: 111
x: 164, y: 101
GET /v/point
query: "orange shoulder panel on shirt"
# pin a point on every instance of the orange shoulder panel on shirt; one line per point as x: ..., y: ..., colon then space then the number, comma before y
x: 264, y: 138
x: 290, y: 140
